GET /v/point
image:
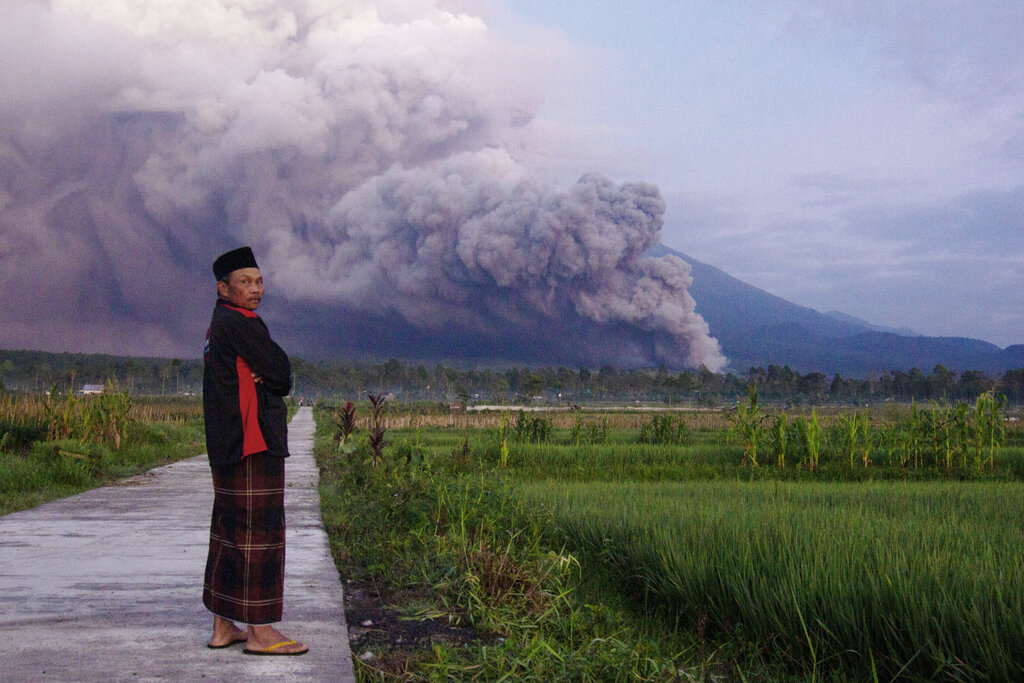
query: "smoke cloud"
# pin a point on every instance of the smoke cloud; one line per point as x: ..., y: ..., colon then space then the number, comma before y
x: 370, y: 152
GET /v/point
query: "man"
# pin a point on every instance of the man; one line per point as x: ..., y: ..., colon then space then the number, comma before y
x: 245, y: 377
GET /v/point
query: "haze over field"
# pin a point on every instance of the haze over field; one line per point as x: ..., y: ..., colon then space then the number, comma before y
x: 477, y: 180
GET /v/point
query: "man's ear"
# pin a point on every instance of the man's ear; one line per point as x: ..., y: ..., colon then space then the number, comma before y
x: 222, y: 289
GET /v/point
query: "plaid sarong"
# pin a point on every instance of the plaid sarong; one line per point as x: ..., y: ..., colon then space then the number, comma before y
x: 245, y: 567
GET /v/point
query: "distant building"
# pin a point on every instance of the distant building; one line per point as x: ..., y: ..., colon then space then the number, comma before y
x: 91, y: 389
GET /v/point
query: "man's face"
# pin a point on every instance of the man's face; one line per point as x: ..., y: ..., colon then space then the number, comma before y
x: 243, y: 289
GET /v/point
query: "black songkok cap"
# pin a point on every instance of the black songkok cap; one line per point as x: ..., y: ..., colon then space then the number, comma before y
x: 232, y: 261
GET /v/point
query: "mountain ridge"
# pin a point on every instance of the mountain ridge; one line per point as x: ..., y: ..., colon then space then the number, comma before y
x: 756, y: 328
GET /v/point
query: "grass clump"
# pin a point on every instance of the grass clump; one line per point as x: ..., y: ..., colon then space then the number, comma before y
x: 55, y: 447
x: 454, y: 539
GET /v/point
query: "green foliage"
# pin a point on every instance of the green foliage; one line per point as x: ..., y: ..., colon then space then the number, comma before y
x: 990, y: 430
x: 97, y: 419
x: 951, y: 437
x: 664, y: 429
x: 924, y: 581
x: 34, y: 371
x: 451, y: 525
x: 502, y: 435
x: 582, y: 433
x: 809, y: 434
x: 748, y: 424
x: 779, y: 434
x: 532, y: 428
x: 558, y: 543
x: 597, y: 432
x: 855, y: 437
x: 18, y: 434
x: 52, y: 469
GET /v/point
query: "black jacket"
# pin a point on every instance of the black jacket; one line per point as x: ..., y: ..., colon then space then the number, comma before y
x: 243, y: 417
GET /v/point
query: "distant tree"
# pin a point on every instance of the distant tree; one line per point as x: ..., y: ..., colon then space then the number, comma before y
x: 943, y: 381
x: 533, y: 384
x: 688, y: 380
x: 973, y: 383
x: 709, y: 382
x: 813, y: 384
x: 1011, y: 385
x: 606, y: 374
x: 176, y: 365
x: 566, y: 378
x: 498, y: 386
x: 918, y: 384
x: 165, y: 374
x: 837, y: 388
x: 393, y: 373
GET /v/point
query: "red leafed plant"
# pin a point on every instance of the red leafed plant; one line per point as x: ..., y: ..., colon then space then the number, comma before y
x: 376, y: 438
x: 345, y: 419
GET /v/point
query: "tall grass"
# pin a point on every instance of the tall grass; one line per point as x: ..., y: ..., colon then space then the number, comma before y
x: 64, y: 444
x: 784, y: 570
x: 617, y: 461
x: 443, y: 526
x: 902, y: 578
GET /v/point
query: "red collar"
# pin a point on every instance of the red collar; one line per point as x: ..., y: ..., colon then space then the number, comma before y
x: 244, y: 311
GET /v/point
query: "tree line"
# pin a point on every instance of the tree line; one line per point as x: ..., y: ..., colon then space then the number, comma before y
x: 37, y: 371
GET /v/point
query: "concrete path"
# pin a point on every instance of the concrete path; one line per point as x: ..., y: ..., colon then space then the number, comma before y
x: 107, y: 585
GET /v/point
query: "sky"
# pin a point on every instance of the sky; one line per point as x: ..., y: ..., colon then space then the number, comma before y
x: 478, y: 178
x: 861, y: 157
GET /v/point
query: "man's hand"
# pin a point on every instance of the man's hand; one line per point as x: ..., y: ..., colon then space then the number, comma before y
x: 256, y: 378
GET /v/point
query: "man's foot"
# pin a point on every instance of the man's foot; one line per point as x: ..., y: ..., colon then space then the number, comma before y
x: 225, y: 634
x: 267, y: 640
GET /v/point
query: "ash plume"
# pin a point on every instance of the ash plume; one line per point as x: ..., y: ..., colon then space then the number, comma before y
x: 370, y: 152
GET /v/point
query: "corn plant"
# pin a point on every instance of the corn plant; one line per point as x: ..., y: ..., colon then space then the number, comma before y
x: 810, y: 434
x: 891, y: 441
x: 856, y: 437
x: 532, y: 428
x: 946, y: 433
x: 597, y: 432
x: 748, y: 423
x: 963, y: 427
x: 912, y: 436
x: 663, y: 429
x: 576, y: 433
x: 581, y: 433
x: 990, y: 429
x: 109, y: 415
x: 779, y: 432
x: 97, y: 419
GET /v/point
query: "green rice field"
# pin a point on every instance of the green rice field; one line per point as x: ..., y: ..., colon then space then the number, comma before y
x: 892, y: 577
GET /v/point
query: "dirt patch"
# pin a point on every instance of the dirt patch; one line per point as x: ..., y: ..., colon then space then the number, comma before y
x: 386, y: 633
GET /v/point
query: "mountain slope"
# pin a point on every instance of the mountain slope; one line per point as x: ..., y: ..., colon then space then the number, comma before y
x: 756, y: 328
